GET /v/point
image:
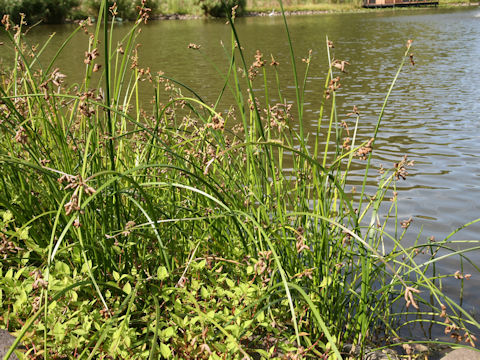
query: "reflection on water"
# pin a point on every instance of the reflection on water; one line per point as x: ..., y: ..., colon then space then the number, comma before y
x: 434, y: 111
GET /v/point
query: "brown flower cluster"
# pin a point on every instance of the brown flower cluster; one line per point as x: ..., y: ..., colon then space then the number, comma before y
x: 75, y: 183
x: 39, y: 282
x: 333, y: 86
x: 354, y: 111
x: 340, y: 65
x: 365, y: 150
x: 144, y: 12
x: 128, y: 228
x: 56, y: 78
x: 459, y: 276
x: 218, y: 123
x: 280, y: 114
x: 90, y: 56
x: 401, y: 168
x: 308, y: 58
x: 263, y: 267
x: 257, y: 64
x: 6, y: 22
x: 84, y: 107
x: 408, y: 295
x: 21, y: 136
x: 411, y: 60
x: 7, y: 247
x: 454, y: 330
x: 194, y: 46
x: 406, y: 223
x: 300, y: 244
x: 274, y: 62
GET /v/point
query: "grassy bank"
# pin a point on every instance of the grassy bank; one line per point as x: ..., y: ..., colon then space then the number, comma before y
x: 293, y: 6
x: 172, y: 228
x: 50, y: 11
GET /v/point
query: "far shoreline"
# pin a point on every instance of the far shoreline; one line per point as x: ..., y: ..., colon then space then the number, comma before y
x: 303, y: 12
x: 307, y: 11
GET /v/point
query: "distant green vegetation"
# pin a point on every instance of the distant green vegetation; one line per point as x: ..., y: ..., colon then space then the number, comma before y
x: 50, y: 11
x: 53, y: 11
x: 59, y: 11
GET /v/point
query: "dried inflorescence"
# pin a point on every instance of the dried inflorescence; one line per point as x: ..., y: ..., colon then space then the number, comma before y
x: 308, y: 58
x: 128, y: 228
x: 90, y: 56
x: 85, y: 108
x: 72, y: 205
x: 280, y: 115
x: 300, y: 244
x: 21, y: 136
x: 460, y: 276
x: 406, y: 223
x: 345, y: 126
x: 218, y: 123
x: 39, y: 282
x: 6, y: 22
x: 305, y: 273
x: 354, y: 111
x: 409, y: 296
x: 56, y: 78
x: 234, y: 11
x: 257, y: 64
x: 75, y: 183
x: 401, y: 168
x: 340, y: 65
x: 454, y: 330
x: 263, y: 267
x: 113, y: 9
x: 143, y: 12
x: 84, y: 24
x: 194, y: 46
x: 7, y: 247
x: 365, y: 150
x: 333, y: 86
x: 274, y: 62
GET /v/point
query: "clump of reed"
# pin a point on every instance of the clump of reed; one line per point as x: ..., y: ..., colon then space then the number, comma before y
x: 195, y: 233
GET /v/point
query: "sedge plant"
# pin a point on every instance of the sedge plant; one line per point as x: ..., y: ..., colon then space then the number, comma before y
x: 181, y: 231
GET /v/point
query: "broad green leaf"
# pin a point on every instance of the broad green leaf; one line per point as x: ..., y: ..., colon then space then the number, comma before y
x: 59, y: 331
x: 127, y: 288
x: 62, y: 268
x: 261, y: 316
x: 22, y: 233
x: 162, y: 273
x: 230, y: 283
x: 204, y: 292
x: 165, y: 351
x: 116, y: 275
x: 7, y: 216
x: 31, y: 245
x: 168, y: 333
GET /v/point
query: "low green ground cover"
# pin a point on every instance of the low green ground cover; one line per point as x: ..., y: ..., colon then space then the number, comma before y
x: 179, y: 231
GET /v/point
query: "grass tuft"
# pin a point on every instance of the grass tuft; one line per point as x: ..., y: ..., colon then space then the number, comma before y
x: 182, y: 231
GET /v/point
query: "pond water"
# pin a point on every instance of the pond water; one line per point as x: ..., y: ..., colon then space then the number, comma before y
x: 433, y: 115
